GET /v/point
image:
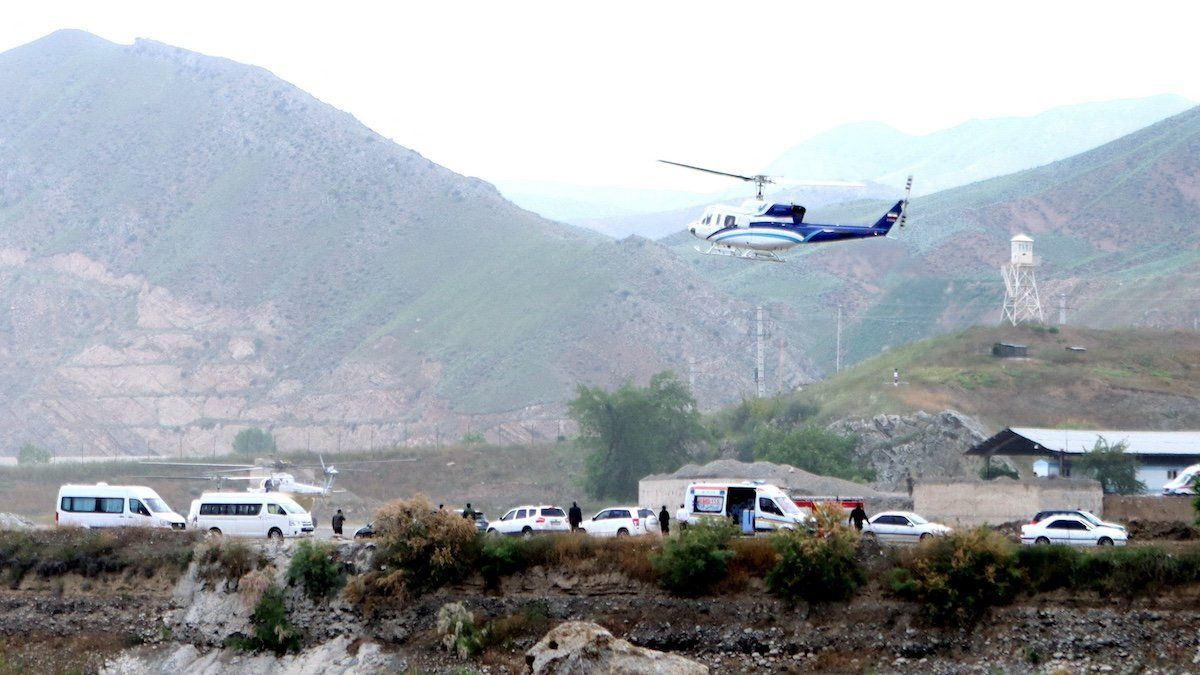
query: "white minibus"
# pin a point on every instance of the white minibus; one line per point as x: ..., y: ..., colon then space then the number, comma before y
x: 104, y: 505
x: 250, y: 514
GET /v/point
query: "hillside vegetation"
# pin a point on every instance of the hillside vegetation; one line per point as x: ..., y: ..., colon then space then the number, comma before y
x: 1127, y: 379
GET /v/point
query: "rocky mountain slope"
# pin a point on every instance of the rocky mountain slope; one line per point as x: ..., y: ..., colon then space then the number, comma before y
x: 190, y: 246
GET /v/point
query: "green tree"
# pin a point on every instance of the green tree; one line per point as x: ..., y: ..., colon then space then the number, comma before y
x: 254, y: 441
x: 634, y: 431
x: 1112, y: 466
x: 813, y: 449
x: 33, y: 454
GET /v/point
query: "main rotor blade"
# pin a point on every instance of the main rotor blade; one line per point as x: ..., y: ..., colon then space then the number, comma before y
x: 201, y: 464
x: 819, y: 183
x: 719, y: 173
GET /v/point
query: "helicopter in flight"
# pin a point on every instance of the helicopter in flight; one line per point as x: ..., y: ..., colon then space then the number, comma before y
x: 758, y: 228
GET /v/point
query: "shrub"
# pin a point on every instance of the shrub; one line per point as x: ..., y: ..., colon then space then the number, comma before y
x: 254, y: 441
x: 698, y: 559
x: 270, y: 625
x: 527, y: 625
x: 500, y: 557
x: 459, y: 633
x: 221, y: 558
x: 89, y: 553
x: 316, y: 567
x: 958, y: 577
x: 816, y: 569
x: 33, y: 454
x: 1131, y: 571
x: 1047, y: 568
x: 418, y: 549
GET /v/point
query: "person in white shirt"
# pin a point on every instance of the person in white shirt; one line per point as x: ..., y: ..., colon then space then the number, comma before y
x: 681, y: 518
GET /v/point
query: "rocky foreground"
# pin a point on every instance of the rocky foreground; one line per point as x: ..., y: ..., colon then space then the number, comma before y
x: 135, y: 625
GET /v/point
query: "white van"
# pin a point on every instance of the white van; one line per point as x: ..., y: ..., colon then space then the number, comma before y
x: 753, y: 506
x: 104, y: 505
x: 1184, y: 483
x: 250, y: 514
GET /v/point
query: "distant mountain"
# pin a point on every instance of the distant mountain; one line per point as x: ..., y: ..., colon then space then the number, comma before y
x: 875, y: 153
x: 190, y: 246
x: 1114, y: 229
x: 972, y: 151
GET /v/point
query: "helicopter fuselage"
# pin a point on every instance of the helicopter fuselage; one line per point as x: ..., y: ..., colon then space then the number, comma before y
x: 766, y: 226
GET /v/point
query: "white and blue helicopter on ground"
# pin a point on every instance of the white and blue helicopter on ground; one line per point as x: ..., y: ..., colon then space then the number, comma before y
x: 757, y: 229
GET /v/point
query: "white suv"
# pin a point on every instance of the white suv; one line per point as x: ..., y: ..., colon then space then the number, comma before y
x: 526, y: 520
x: 622, y: 521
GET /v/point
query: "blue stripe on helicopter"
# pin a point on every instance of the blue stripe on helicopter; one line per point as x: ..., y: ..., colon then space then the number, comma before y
x: 760, y: 234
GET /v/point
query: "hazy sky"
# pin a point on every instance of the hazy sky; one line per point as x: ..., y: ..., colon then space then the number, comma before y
x: 594, y: 92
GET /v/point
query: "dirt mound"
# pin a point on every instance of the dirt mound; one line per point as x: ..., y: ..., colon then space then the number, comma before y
x: 1171, y: 531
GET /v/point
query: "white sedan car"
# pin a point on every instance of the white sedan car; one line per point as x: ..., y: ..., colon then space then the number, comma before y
x: 527, y: 520
x: 902, y: 527
x: 622, y: 521
x: 1071, y: 530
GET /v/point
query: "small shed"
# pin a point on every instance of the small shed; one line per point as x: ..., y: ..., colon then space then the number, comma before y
x: 1006, y: 350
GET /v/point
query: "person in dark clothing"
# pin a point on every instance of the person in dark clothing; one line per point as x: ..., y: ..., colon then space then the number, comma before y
x: 664, y: 521
x: 574, y: 516
x: 858, y: 516
x: 469, y: 512
x: 338, y: 521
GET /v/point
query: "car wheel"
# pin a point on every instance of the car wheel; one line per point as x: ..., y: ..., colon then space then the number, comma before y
x: 925, y: 536
x: 492, y: 531
x: 868, y: 535
x: 1105, y: 541
x: 622, y: 532
x: 527, y: 532
x: 1041, y: 540
x: 275, y: 534
x: 214, y: 532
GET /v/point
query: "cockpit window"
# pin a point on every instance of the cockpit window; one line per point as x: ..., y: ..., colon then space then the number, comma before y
x: 730, y: 221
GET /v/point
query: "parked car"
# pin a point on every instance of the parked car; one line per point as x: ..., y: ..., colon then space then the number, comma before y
x: 365, y: 532
x: 1071, y: 530
x: 1086, y: 515
x: 902, y: 527
x: 481, y: 521
x: 622, y: 521
x: 527, y: 520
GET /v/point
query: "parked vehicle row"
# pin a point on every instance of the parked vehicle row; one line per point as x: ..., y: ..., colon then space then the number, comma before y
x: 1073, y: 528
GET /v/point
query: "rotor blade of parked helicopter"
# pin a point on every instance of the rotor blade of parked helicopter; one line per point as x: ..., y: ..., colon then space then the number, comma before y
x: 719, y: 173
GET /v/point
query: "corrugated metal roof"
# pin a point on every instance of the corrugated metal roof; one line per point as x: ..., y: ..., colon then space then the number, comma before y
x: 1075, y: 441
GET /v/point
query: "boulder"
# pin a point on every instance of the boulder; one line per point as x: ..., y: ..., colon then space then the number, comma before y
x: 582, y: 647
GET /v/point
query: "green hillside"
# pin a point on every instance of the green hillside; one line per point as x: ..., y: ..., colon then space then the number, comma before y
x: 1126, y: 379
x: 230, y: 187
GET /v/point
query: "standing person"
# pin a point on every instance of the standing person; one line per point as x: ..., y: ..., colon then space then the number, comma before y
x: 664, y: 521
x: 681, y: 517
x: 858, y: 516
x: 574, y: 516
x: 469, y: 512
x: 895, y: 377
x: 338, y: 521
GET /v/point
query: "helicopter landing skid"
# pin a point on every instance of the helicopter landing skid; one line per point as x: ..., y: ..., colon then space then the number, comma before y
x: 743, y: 253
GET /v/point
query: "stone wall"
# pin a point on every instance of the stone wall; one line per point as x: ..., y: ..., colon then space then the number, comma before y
x: 968, y: 502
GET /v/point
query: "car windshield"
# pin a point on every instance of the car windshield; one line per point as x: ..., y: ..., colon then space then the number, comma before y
x: 157, y: 505
x: 917, y: 520
x: 1090, y: 517
x: 789, y: 507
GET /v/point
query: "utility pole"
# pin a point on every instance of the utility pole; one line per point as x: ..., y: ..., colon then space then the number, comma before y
x: 758, y: 368
x: 838, y: 360
x: 692, y: 373
x: 1062, y: 309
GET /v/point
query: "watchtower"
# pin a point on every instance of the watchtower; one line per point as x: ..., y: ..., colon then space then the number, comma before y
x: 1021, y: 301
